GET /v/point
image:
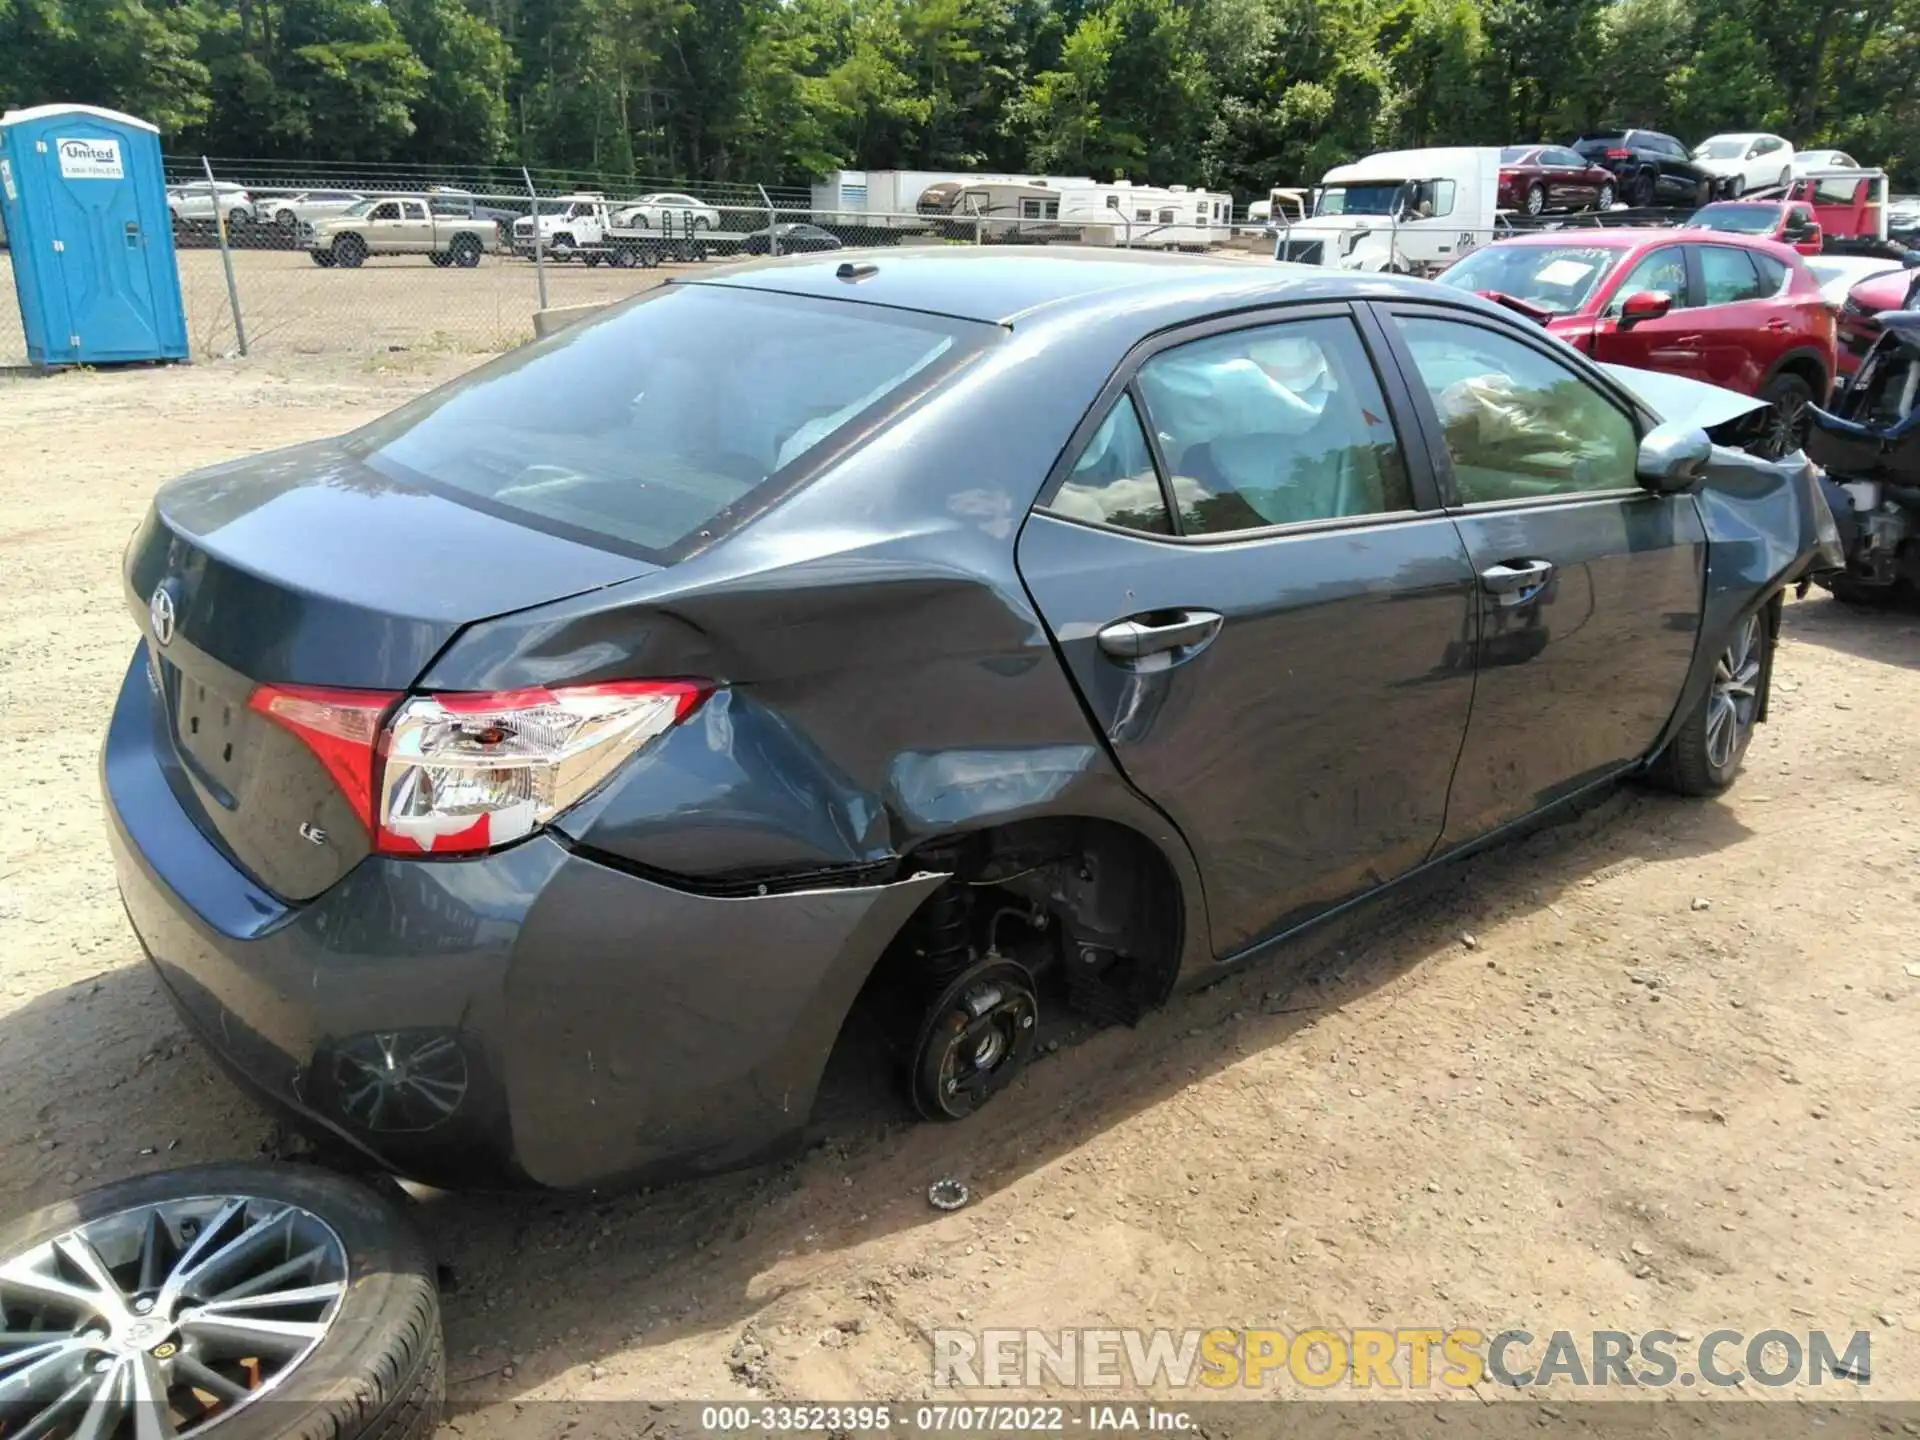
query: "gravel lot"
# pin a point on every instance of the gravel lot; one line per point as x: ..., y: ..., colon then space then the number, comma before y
x: 393, y: 304
x: 1670, y: 1080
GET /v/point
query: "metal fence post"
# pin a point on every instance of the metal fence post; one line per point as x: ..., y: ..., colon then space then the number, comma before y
x: 773, y: 233
x: 226, y: 255
x: 539, y: 246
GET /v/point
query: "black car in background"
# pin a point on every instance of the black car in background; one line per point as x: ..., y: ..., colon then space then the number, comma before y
x: 1654, y: 169
x: 794, y: 238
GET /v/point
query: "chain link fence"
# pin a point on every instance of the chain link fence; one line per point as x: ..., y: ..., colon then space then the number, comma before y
x: 284, y: 260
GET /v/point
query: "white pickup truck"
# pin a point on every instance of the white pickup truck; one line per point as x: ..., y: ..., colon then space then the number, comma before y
x: 1411, y: 212
x: 567, y: 224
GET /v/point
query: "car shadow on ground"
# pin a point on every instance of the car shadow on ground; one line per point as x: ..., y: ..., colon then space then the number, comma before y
x: 1888, y: 636
x: 538, y: 1283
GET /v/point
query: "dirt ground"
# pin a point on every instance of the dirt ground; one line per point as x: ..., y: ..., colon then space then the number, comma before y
x: 1652, y: 1068
x: 392, y: 305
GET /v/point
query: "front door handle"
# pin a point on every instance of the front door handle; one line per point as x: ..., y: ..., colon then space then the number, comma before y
x: 1515, y: 582
x: 1159, y: 632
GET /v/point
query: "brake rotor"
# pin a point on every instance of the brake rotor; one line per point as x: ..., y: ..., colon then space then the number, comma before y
x: 977, y: 1036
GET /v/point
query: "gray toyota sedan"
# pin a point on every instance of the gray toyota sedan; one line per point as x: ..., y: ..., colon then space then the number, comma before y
x: 522, y: 788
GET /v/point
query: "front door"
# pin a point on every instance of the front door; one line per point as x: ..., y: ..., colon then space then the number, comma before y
x: 1674, y: 343
x: 1265, y: 612
x: 1590, y: 587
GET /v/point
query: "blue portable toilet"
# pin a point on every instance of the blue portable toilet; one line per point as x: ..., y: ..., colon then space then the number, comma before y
x: 85, y: 202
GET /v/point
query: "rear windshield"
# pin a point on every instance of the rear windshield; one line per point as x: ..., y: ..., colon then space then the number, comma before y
x: 1554, y: 278
x: 1739, y: 219
x: 665, y: 424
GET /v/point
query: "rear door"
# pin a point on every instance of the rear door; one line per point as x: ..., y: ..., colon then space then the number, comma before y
x: 1741, y: 328
x: 1266, y: 614
x: 1567, y: 183
x: 416, y: 226
x: 1590, y: 587
x: 1674, y: 343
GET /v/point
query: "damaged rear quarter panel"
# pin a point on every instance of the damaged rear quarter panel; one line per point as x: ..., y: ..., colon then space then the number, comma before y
x: 885, y: 680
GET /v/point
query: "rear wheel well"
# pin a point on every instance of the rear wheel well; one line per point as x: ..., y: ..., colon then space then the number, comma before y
x: 1102, y: 897
x: 1808, y: 368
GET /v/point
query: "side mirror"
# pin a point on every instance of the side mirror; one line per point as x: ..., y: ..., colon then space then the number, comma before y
x: 1811, y: 235
x: 1644, y: 305
x: 1673, y: 458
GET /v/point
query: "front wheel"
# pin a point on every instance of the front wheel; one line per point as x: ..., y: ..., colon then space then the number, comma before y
x: 281, y: 1301
x: 1736, y: 187
x: 350, y: 252
x: 1705, y: 753
x: 1789, y: 396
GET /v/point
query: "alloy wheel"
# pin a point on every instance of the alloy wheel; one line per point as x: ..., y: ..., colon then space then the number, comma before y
x: 165, y: 1318
x: 1735, y: 697
x: 1786, y: 428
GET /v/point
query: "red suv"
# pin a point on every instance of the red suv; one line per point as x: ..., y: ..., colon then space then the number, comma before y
x: 1859, y: 323
x: 1743, y: 313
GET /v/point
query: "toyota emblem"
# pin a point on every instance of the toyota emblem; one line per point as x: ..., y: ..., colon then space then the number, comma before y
x: 160, y: 612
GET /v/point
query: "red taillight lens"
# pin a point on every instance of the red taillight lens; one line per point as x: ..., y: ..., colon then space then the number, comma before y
x: 460, y: 773
x: 467, y: 772
x: 341, y: 727
x: 1619, y: 154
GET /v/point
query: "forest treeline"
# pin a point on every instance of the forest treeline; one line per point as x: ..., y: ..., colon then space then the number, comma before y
x: 1235, y: 93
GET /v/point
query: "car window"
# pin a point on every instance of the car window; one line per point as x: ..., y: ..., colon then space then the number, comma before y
x: 652, y: 425
x: 1773, y: 273
x: 1665, y: 269
x: 1517, y: 424
x: 1114, y: 482
x: 1727, y: 276
x: 1567, y: 158
x: 386, y: 210
x: 1837, y: 191
x: 415, y: 210
x: 1274, y: 426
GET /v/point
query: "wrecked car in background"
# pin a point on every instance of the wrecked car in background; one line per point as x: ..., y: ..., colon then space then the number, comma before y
x: 733, y: 685
x: 1869, y: 443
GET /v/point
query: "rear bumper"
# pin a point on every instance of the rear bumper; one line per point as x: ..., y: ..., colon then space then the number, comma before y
x: 603, y: 1028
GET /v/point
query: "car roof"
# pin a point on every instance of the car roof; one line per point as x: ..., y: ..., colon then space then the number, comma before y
x: 986, y: 284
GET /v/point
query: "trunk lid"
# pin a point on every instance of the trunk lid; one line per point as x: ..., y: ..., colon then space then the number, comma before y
x: 306, y: 567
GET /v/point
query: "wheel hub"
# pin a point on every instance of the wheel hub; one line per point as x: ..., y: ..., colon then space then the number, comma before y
x: 977, y: 1036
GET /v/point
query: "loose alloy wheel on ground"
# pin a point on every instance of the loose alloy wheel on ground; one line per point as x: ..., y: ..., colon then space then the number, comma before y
x: 241, y: 1294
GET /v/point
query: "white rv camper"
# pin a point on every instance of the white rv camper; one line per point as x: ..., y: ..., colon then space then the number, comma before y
x: 906, y: 199
x: 1147, y: 217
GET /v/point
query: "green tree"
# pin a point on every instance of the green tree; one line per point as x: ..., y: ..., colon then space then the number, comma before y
x: 462, y: 114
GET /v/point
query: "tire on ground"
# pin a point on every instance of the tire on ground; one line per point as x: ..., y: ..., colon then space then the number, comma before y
x: 379, y: 1373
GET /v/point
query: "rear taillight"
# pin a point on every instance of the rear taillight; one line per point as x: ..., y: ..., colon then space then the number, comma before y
x: 469, y: 772
x: 341, y: 727
x: 460, y: 773
x: 1619, y: 154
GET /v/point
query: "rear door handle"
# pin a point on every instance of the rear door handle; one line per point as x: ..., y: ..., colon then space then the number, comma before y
x: 1776, y: 325
x: 1514, y: 582
x: 1159, y: 632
